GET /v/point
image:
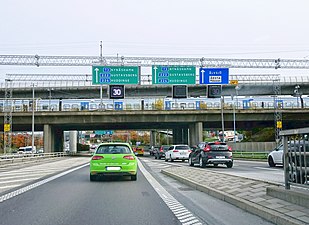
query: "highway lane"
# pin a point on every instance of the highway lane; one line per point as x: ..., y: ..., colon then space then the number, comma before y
x: 249, y: 169
x: 73, y: 199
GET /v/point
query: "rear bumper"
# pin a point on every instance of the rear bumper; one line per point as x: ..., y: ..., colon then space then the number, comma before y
x: 129, y: 173
x: 219, y: 161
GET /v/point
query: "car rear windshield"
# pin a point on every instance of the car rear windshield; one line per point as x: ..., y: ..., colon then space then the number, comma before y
x: 218, y: 146
x: 113, y: 149
x: 182, y: 147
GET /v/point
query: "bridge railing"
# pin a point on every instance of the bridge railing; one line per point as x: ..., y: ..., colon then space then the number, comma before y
x: 24, y: 157
x: 78, y: 80
x: 296, y: 157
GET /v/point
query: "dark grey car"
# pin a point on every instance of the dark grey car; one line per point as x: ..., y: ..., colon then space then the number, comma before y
x: 212, y: 153
x: 160, y: 153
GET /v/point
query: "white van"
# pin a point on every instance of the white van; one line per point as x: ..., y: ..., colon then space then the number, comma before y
x: 27, y: 150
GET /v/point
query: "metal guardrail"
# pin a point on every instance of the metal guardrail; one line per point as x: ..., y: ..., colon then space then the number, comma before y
x: 15, y: 158
x: 296, y: 157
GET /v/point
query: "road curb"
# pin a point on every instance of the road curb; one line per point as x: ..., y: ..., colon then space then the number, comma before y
x: 266, y: 213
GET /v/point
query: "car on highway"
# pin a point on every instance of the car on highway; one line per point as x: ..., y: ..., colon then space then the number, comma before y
x: 212, y: 153
x: 113, y: 159
x: 177, y: 152
x: 160, y: 152
x: 139, y: 151
x: 275, y: 157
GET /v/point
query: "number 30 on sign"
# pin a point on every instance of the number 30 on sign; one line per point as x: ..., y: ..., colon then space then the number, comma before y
x: 116, y: 91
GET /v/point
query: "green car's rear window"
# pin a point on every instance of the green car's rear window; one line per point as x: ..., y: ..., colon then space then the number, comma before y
x: 113, y: 149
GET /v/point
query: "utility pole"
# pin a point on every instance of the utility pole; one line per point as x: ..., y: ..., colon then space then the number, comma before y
x: 8, y: 107
x: 101, y: 86
x: 32, y: 117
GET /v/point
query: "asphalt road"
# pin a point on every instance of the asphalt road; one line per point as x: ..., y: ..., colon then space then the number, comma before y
x: 72, y: 199
x: 152, y: 199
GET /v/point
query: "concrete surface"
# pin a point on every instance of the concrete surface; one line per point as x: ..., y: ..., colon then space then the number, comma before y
x: 244, y: 193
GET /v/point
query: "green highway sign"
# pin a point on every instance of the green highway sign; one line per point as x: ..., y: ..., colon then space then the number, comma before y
x: 173, y: 74
x: 115, y: 74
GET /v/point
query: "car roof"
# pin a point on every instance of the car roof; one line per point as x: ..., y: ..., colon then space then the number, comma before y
x: 115, y: 143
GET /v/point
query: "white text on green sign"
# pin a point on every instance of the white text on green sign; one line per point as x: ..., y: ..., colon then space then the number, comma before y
x: 173, y: 74
x: 115, y: 75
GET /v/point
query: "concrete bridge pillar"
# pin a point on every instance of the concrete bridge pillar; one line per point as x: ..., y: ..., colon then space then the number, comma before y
x: 53, y: 138
x: 153, y: 138
x: 58, y: 139
x: 47, y: 136
x: 195, y: 133
x: 180, y: 136
x: 73, y: 141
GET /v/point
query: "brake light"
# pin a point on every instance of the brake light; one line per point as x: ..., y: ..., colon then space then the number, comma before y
x: 175, y: 151
x: 189, y: 151
x: 229, y: 148
x: 97, y: 157
x: 161, y: 150
x: 129, y: 157
x: 207, y: 148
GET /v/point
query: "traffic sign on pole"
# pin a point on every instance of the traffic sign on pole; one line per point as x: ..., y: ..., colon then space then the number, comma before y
x: 115, y: 74
x: 214, y: 75
x: 173, y: 74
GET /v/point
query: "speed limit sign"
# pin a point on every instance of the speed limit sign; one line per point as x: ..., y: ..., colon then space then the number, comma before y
x: 116, y: 91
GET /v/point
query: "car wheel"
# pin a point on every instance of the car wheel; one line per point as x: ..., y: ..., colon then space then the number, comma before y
x: 166, y: 159
x: 190, y: 162
x: 156, y: 157
x: 202, y: 163
x: 93, y: 177
x: 159, y: 157
x: 134, y: 177
x: 229, y: 164
x: 172, y: 160
x: 271, y: 162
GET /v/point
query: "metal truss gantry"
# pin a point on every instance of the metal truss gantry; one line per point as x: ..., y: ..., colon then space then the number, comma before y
x: 36, y: 60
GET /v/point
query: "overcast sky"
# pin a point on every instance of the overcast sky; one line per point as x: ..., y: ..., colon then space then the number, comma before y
x: 177, y: 28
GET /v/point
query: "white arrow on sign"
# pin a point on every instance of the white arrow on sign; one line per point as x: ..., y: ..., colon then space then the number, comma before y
x: 203, y: 78
x: 155, y: 74
x: 96, y: 75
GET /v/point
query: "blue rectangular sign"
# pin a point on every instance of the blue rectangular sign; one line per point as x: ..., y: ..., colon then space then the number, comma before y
x: 214, y: 75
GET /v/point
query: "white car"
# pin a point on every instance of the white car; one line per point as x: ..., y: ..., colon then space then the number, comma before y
x: 180, y: 152
x: 275, y: 157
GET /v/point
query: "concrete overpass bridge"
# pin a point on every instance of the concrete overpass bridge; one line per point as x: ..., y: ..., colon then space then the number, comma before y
x: 187, y: 125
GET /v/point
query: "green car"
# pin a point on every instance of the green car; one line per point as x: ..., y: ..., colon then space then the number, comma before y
x: 113, y: 159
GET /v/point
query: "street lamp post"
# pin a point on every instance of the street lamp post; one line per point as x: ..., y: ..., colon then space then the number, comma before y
x: 237, y: 88
x: 297, y: 94
x: 32, y: 117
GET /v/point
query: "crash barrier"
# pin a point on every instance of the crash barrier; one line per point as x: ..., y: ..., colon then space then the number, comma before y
x: 16, y: 158
x: 296, y: 157
x: 252, y: 146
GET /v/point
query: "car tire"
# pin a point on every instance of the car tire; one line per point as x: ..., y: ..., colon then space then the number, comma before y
x: 190, y: 162
x: 156, y: 157
x: 271, y: 162
x: 134, y: 177
x: 93, y: 177
x: 172, y: 160
x: 229, y: 164
x: 166, y: 159
x: 202, y: 162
